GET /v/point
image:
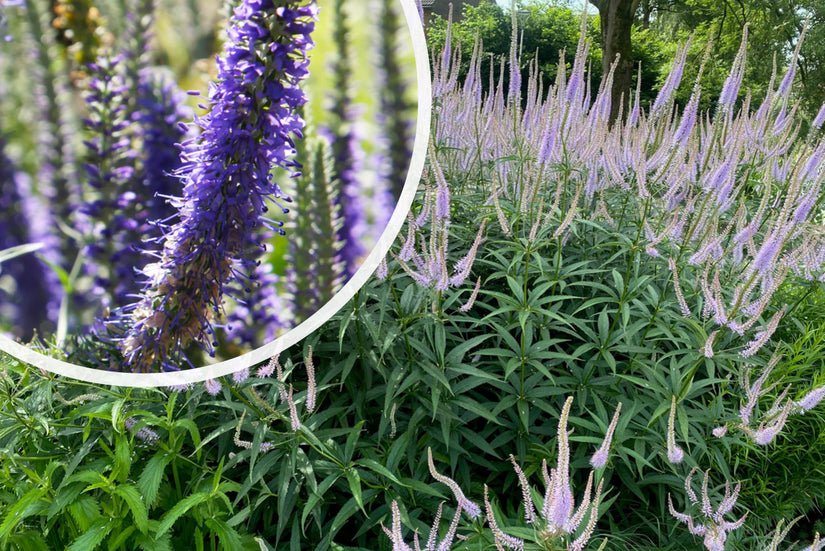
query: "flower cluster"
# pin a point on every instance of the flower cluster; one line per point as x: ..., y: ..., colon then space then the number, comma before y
x: 558, y: 518
x: 715, y: 528
x: 557, y: 521
x: 425, y: 258
x: 226, y: 173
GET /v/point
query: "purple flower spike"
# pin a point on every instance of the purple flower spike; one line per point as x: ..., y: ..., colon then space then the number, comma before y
x: 226, y: 175
x: 810, y: 400
x: 715, y: 529
x: 213, y: 386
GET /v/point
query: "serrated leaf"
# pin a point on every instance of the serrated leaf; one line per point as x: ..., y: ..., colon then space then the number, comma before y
x: 229, y: 539
x: 152, y: 475
x: 134, y: 500
x: 180, y: 509
x: 17, y: 512
x: 92, y: 537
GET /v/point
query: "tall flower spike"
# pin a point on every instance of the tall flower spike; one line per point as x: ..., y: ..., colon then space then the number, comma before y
x: 529, y: 508
x: 463, y: 503
x: 394, y: 104
x: 715, y: 528
x: 110, y: 214
x: 294, y: 420
x: 472, y: 300
x: 397, y: 539
x: 500, y: 537
x: 730, y: 90
x: 310, y: 403
x: 674, y: 452
x: 344, y: 144
x: 558, y: 498
x: 226, y: 175
x: 811, y: 399
x: 35, y: 302
x: 599, y: 458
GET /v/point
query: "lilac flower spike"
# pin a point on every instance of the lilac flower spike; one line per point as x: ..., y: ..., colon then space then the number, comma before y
x: 146, y: 434
x: 810, y: 400
x: 559, y: 517
x: 226, y: 173
x: 599, y: 458
x: 213, y: 386
x: 294, y: 420
x: 463, y: 503
x: 266, y: 371
x: 500, y: 537
x: 730, y: 90
x: 472, y: 300
x: 715, y: 529
x: 432, y: 544
x: 674, y: 452
x: 311, y: 390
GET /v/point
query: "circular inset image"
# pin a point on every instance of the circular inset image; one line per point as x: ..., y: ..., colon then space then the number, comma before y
x: 151, y: 236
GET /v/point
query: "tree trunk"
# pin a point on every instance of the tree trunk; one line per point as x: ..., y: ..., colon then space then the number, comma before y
x: 616, y: 23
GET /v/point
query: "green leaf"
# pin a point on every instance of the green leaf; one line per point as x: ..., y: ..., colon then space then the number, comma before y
x: 92, y: 537
x: 152, y: 475
x: 85, y: 511
x: 29, y: 541
x: 229, y: 539
x: 18, y: 511
x: 378, y: 468
x: 134, y: 500
x: 474, y: 407
x: 354, y: 480
x: 123, y: 458
x: 180, y: 509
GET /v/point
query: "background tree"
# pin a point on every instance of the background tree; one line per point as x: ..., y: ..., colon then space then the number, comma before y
x: 616, y: 21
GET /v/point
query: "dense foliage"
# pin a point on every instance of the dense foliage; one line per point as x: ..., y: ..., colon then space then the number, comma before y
x: 632, y: 313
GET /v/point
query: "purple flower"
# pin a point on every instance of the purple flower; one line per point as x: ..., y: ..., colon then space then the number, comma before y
x: 468, y: 506
x: 674, y: 77
x: 674, y: 453
x: 715, y: 528
x: 266, y: 371
x: 226, y: 174
x: 344, y: 141
x: 213, y: 386
x: 240, y: 376
x: 810, y: 400
x: 161, y: 108
x: 820, y: 118
x: 261, y: 313
x: 599, y: 458
x: 35, y: 300
x: 146, y: 434
x: 110, y: 213
x: 730, y: 90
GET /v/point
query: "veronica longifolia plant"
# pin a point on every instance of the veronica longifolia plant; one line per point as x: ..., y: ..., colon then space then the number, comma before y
x: 731, y: 196
x: 226, y: 174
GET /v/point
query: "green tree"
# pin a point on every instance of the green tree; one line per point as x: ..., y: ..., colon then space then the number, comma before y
x: 546, y: 30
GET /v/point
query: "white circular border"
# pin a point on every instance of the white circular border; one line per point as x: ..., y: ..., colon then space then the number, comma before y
x: 343, y: 296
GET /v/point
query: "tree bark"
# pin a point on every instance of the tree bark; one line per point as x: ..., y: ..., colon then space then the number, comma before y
x: 616, y: 24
